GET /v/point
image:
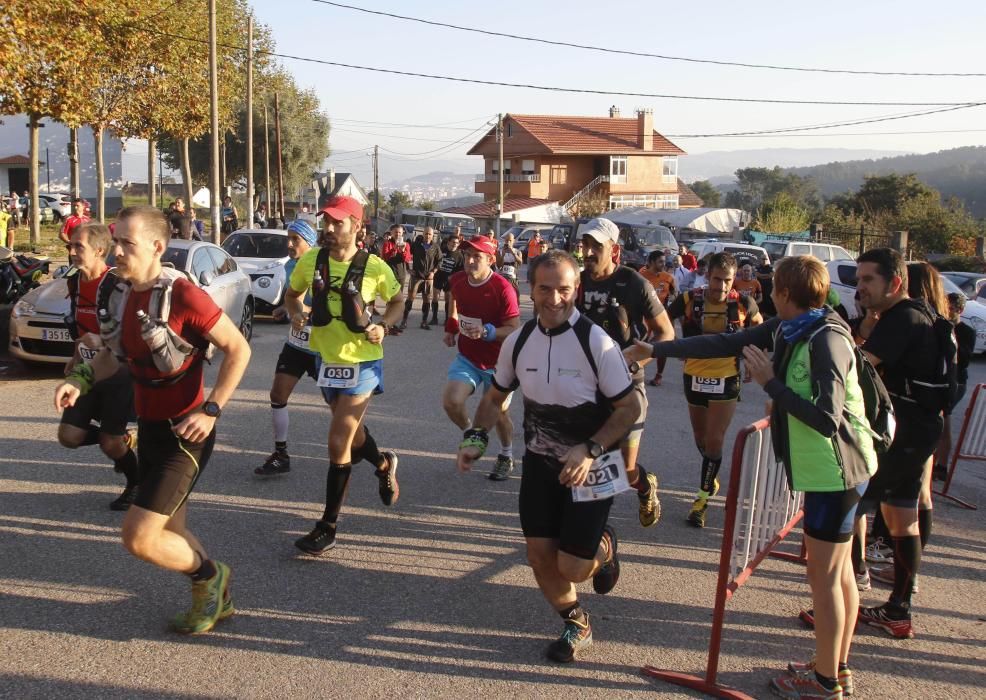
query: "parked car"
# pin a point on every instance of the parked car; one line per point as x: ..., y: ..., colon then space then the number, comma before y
x: 37, y: 328
x: 743, y: 252
x: 972, y: 284
x: 47, y: 214
x: 523, y: 234
x: 843, y: 276
x: 823, y: 251
x: 262, y: 254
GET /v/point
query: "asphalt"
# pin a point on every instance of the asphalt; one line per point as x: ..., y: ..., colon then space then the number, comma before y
x: 431, y: 597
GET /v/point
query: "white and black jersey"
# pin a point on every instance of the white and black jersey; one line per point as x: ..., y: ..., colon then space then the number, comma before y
x: 568, y: 376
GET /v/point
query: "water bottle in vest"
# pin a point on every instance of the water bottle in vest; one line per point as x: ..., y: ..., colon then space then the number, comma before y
x: 107, y: 324
x: 156, y: 338
x: 318, y: 283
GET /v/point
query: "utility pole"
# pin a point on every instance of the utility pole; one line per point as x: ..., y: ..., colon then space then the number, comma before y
x: 376, y: 184
x: 73, y: 159
x: 48, y: 169
x: 249, y: 128
x: 213, y: 126
x: 270, y: 211
x: 151, y: 185
x: 499, y: 197
x: 280, y: 163
x: 160, y: 175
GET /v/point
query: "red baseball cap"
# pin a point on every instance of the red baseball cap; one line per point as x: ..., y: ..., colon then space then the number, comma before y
x: 484, y: 244
x: 340, y: 207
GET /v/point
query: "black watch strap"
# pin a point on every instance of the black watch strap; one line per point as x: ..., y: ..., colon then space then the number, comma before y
x: 595, y: 449
x: 212, y: 409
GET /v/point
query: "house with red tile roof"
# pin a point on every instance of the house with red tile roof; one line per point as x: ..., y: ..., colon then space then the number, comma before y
x: 616, y: 161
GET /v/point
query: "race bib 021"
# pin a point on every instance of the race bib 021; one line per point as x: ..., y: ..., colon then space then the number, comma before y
x: 338, y: 376
x: 709, y: 385
x: 607, y: 477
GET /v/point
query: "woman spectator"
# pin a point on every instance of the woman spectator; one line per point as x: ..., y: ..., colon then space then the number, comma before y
x: 230, y: 220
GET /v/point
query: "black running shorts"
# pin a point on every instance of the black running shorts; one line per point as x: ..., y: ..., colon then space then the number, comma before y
x: 441, y: 281
x: 897, y: 481
x: 547, y: 510
x: 715, y: 389
x: 296, y: 362
x: 830, y: 516
x: 170, y: 466
x: 110, y: 403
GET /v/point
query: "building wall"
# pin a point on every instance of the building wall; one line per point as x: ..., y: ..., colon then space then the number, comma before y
x: 645, y: 174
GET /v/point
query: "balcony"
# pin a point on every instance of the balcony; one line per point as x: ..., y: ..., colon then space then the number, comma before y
x: 482, y: 177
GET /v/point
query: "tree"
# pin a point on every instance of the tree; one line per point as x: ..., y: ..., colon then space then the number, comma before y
x: 889, y: 193
x: 427, y: 205
x: 781, y: 215
x: 399, y: 200
x: 758, y: 185
x: 707, y: 192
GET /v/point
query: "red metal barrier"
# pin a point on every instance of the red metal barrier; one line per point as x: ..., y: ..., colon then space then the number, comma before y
x: 971, y: 443
x: 754, y: 505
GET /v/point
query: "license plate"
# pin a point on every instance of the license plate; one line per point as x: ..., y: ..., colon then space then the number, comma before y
x: 338, y: 376
x: 607, y: 477
x: 709, y: 385
x: 300, y: 339
x: 56, y: 334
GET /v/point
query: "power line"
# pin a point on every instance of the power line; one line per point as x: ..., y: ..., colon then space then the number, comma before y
x: 443, y: 148
x: 642, y: 54
x: 855, y: 133
x: 392, y: 136
x: 440, y: 125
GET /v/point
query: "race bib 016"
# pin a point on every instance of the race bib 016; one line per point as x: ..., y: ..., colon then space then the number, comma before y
x: 709, y: 385
x: 338, y: 376
x: 607, y: 477
x: 299, y: 339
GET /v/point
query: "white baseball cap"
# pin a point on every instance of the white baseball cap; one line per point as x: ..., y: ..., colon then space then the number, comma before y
x: 601, y: 230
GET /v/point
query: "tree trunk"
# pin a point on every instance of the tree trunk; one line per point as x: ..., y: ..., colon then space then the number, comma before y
x: 186, y: 173
x: 73, y: 158
x: 33, y: 170
x: 151, y: 176
x: 97, y: 143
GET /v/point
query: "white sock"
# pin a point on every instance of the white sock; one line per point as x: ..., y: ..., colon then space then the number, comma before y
x: 507, y: 450
x: 279, y: 417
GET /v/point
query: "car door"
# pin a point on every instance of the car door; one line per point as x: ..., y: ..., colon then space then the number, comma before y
x: 229, y: 275
x: 203, y: 270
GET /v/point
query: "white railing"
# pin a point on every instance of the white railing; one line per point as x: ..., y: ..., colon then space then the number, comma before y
x: 482, y: 177
x: 578, y: 196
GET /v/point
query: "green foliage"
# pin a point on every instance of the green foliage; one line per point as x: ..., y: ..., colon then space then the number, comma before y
x: 427, y: 205
x: 960, y: 263
x: 399, y: 200
x: 757, y: 186
x: 781, y: 215
x: 707, y: 192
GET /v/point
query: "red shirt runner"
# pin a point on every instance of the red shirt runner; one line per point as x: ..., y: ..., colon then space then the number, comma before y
x: 494, y: 301
x: 193, y: 314
x: 71, y: 223
x: 85, y: 304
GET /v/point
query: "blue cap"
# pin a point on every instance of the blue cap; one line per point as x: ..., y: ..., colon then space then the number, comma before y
x: 305, y: 230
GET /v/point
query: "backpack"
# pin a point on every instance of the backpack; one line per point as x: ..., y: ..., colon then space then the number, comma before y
x: 937, y: 393
x: 582, y: 328
x: 878, y: 407
x: 354, y: 313
x: 735, y: 313
x: 72, y: 280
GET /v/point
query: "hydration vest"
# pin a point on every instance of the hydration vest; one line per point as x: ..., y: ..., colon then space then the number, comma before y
x: 695, y: 307
x: 72, y: 279
x: 354, y: 313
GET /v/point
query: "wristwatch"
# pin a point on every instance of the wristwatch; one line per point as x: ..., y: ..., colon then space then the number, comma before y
x: 633, y: 367
x: 211, y: 409
x: 595, y: 449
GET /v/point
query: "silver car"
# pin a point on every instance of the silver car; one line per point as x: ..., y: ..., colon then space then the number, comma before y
x: 38, y: 332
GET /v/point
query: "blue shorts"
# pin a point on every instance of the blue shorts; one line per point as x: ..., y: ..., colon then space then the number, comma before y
x: 462, y: 370
x: 830, y: 515
x: 370, y: 380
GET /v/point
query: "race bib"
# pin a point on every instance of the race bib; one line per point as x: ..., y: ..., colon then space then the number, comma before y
x: 607, y: 477
x: 338, y: 376
x: 709, y: 385
x: 468, y: 323
x: 508, y: 271
x: 86, y: 353
x: 299, y: 339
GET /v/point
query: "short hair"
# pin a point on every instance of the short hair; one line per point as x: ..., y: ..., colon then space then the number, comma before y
x: 654, y: 256
x: 957, y: 300
x: 77, y: 200
x: 724, y: 261
x: 889, y: 263
x: 553, y: 258
x: 924, y: 282
x: 97, y: 235
x: 804, y: 278
x: 151, y: 220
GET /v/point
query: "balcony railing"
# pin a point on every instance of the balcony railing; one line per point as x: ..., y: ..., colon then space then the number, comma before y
x: 508, y: 178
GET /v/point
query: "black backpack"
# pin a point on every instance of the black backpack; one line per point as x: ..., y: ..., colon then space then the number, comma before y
x: 72, y: 280
x: 582, y: 328
x: 937, y: 392
x: 354, y: 313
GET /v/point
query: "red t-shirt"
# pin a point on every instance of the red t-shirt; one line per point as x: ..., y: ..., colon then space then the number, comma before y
x: 193, y: 314
x: 494, y: 301
x: 85, y: 304
x: 689, y: 261
x: 71, y: 223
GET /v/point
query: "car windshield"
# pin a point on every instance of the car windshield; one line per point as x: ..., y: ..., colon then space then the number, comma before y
x: 175, y: 256
x: 256, y: 245
x: 775, y: 249
x: 656, y: 236
x: 950, y: 286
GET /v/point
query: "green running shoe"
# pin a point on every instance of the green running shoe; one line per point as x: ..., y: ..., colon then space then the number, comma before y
x: 209, y: 602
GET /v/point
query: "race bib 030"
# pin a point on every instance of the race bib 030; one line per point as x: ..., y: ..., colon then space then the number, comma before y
x: 338, y: 376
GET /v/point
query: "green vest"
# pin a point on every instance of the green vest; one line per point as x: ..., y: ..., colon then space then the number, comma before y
x: 816, y: 464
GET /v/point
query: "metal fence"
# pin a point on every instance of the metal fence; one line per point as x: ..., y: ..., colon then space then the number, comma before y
x: 855, y: 240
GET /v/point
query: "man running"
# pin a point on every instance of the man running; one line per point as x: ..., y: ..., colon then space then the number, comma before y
x: 177, y: 429
x: 110, y: 403
x: 508, y: 259
x: 664, y: 286
x: 712, y: 387
x: 747, y: 284
x: 426, y: 256
x: 484, y: 311
x: 625, y: 305
x: 563, y: 364
x: 296, y: 358
x: 451, y: 262
x: 74, y: 220
x: 344, y: 281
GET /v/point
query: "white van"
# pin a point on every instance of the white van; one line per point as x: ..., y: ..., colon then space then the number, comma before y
x: 743, y: 252
x: 823, y: 251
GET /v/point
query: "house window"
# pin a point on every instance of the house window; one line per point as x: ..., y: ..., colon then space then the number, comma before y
x: 618, y: 169
x: 654, y: 201
x: 670, y: 168
x: 527, y: 167
x: 559, y: 174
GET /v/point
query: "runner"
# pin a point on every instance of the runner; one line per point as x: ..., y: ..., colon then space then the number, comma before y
x: 624, y: 305
x: 296, y: 358
x: 712, y: 386
x: 747, y: 284
x: 110, y: 403
x: 451, y: 263
x: 663, y: 283
x: 72, y: 222
x: 508, y: 259
x: 562, y: 364
x: 397, y: 253
x: 5, y: 221
x: 483, y: 312
x: 176, y: 428
x: 343, y: 282
x: 426, y: 256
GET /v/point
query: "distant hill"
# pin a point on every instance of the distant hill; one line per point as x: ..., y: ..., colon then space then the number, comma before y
x: 719, y: 166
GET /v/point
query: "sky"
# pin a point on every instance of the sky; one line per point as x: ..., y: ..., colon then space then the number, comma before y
x: 877, y: 35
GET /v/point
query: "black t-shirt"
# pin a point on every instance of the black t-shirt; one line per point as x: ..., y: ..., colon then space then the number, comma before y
x: 451, y: 262
x: 965, y: 337
x: 904, y: 341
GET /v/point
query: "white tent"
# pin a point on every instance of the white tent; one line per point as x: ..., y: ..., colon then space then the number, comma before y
x: 706, y: 220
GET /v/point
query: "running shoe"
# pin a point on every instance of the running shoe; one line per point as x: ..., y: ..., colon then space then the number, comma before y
x: 798, y: 668
x: 879, y: 553
x: 656, y: 381
x: 573, y: 639
x: 318, y: 541
x: 394, y: 330
x: 131, y: 439
x: 807, y: 686
x: 403, y: 325
x: 502, y: 469
x: 807, y: 617
x: 604, y: 580
x: 897, y: 625
x: 208, y: 600
x: 883, y: 574
x: 914, y: 586
x: 863, y: 582
x: 696, y: 516
x: 389, y: 489
x: 425, y: 326
x: 278, y: 463
x: 649, y: 510
x: 125, y: 499
x: 180, y: 623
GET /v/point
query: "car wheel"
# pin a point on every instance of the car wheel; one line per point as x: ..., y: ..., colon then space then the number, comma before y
x: 246, y: 320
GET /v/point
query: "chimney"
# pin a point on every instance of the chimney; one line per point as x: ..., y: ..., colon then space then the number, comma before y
x: 614, y: 112
x: 645, y: 129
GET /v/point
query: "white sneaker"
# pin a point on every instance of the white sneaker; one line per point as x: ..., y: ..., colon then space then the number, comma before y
x: 863, y: 582
x: 879, y: 553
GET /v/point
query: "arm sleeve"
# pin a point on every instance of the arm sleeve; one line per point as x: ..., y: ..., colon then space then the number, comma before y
x: 721, y: 344
x: 831, y: 362
x: 614, y: 378
x: 505, y: 378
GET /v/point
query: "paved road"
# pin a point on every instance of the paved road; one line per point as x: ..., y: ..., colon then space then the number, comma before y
x: 429, y: 598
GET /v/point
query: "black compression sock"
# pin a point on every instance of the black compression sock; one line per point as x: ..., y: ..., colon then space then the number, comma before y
x: 880, y: 528
x: 642, y: 485
x: 907, y: 561
x: 710, y: 470
x: 574, y: 613
x: 336, y: 484
x: 91, y: 438
x: 127, y: 465
x: 825, y: 681
x: 281, y: 446
x: 856, y: 554
x: 924, y: 526
x: 369, y: 450
x: 205, y: 571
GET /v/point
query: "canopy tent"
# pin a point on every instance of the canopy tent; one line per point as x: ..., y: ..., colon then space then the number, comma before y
x: 706, y: 220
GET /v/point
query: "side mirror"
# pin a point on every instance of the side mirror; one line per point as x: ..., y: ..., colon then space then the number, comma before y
x: 205, y: 278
